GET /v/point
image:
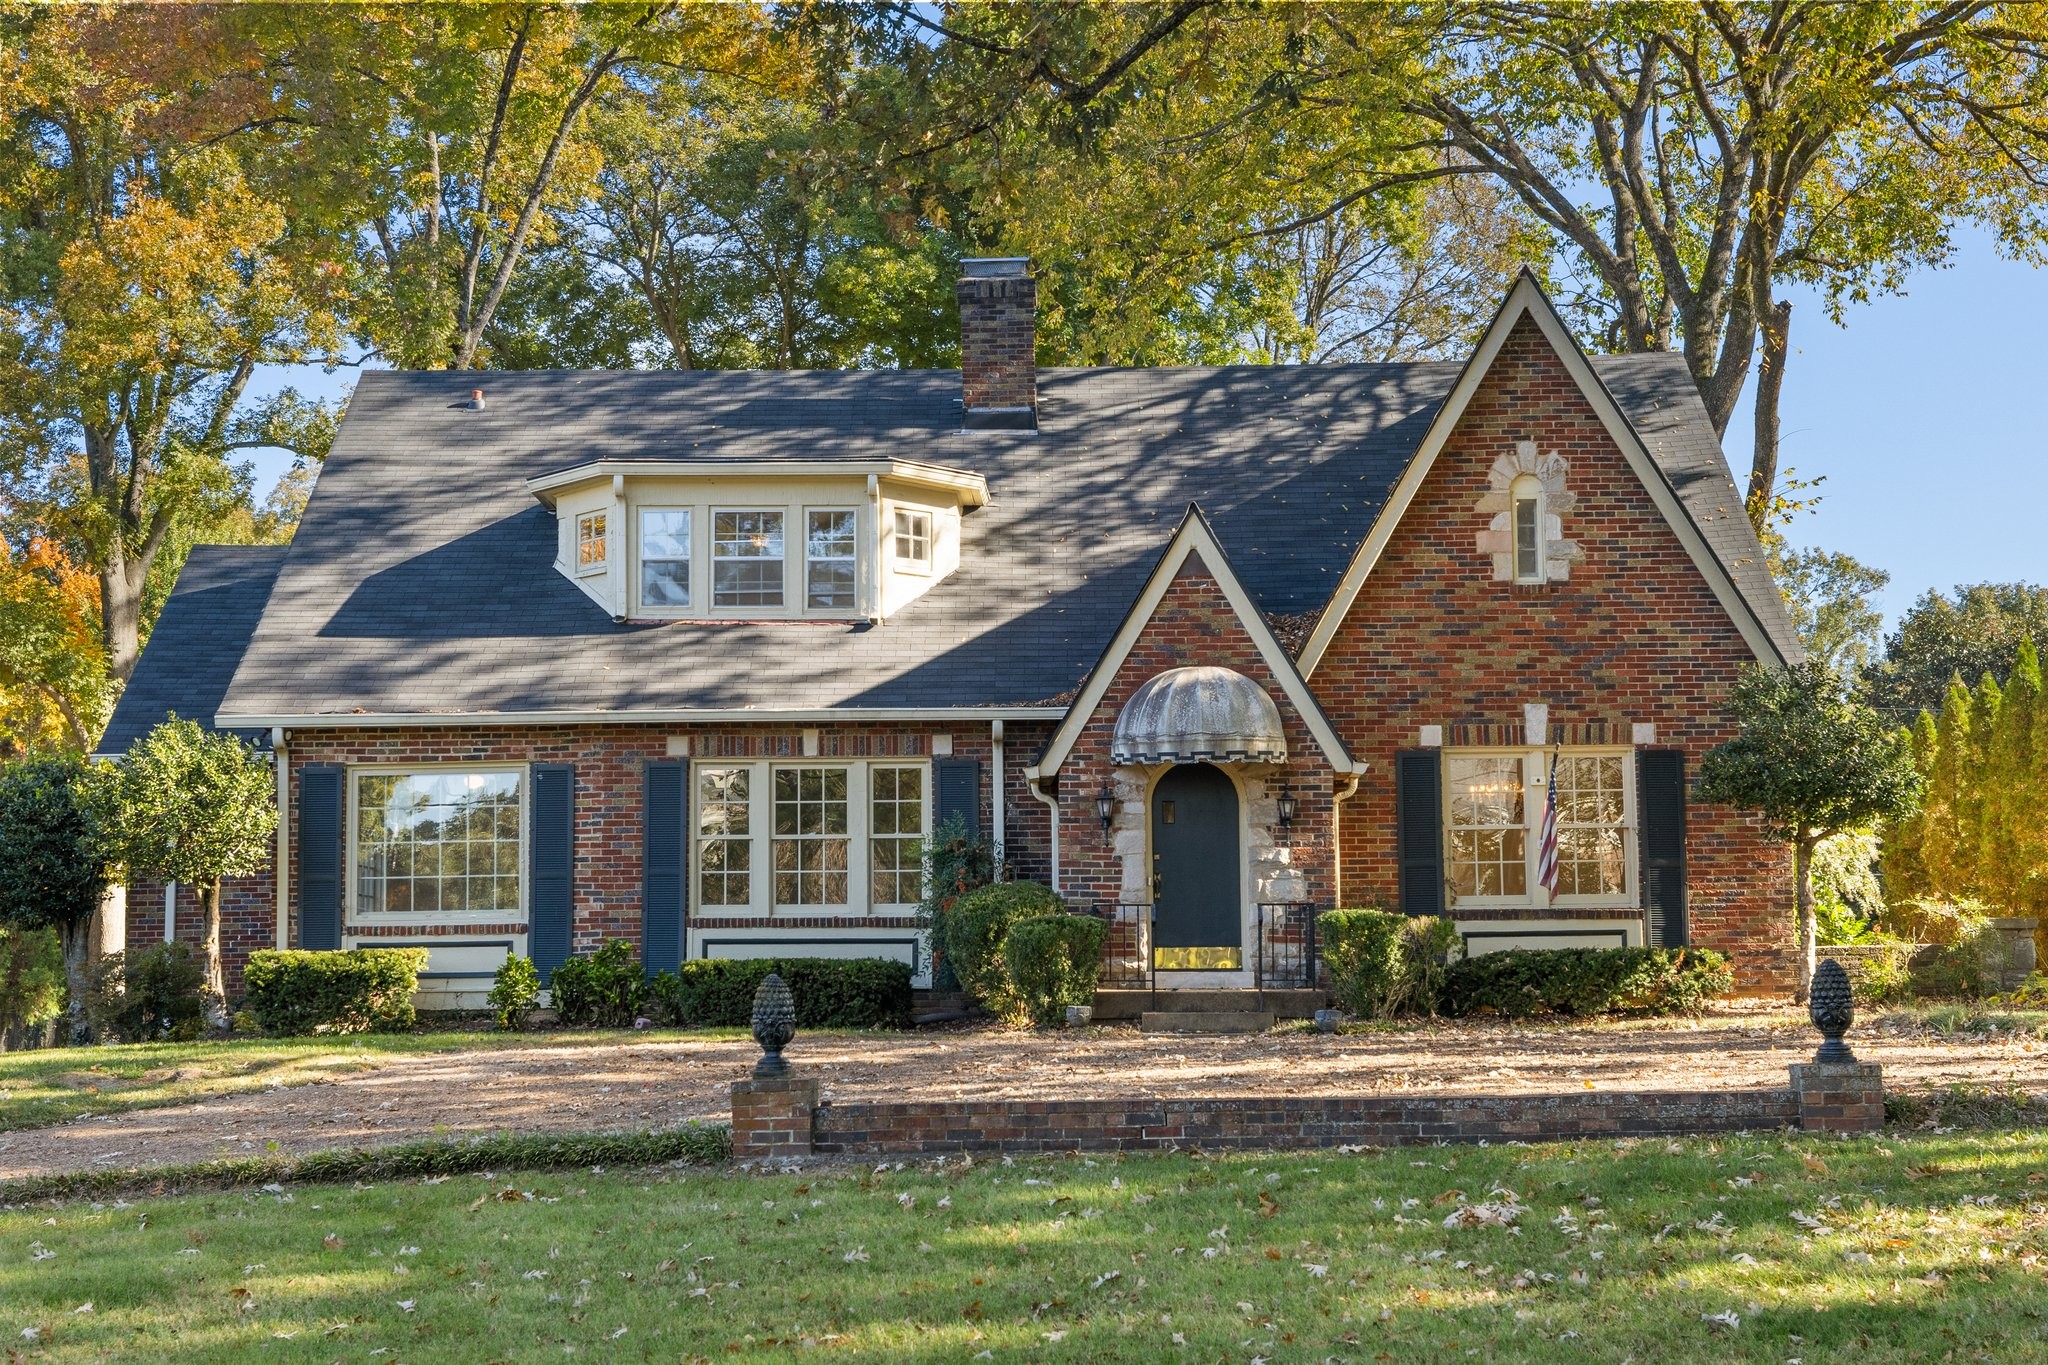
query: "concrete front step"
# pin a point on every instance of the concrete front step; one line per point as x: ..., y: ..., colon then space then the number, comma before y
x: 1205, y: 1021
x: 1117, y: 1005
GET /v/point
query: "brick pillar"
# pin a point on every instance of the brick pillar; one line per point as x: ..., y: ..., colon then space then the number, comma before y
x: 1839, y: 1097
x: 772, y: 1117
x: 998, y: 346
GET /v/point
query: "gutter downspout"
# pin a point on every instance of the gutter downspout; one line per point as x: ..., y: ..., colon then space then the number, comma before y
x: 1032, y: 777
x: 284, y: 836
x: 995, y: 743
x: 1343, y: 794
x: 170, y: 912
x: 878, y: 584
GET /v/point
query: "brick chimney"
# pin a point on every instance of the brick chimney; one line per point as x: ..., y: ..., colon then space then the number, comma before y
x: 998, y: 363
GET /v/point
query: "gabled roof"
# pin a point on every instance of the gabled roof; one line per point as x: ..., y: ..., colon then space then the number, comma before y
x: 1194, y: 537
x: 199, y: 638
x: 1750, y: 599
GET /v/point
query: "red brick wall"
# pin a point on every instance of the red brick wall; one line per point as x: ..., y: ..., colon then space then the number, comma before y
x: 247, y: 920
x: 1634, y: 635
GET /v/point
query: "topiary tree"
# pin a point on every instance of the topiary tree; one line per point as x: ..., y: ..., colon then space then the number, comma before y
x: 1813, y: 762
x: 195, y: 806
x: 54, y: 857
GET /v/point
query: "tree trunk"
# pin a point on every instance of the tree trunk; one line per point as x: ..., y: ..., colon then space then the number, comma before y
x: 1809, y: 917
x: 216, y: 980
x: 1770, y: 382
x: 76, y: 937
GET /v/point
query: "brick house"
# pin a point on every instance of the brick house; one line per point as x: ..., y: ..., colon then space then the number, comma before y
x: 697, y: 659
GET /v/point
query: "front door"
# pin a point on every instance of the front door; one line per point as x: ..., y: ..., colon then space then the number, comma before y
x: 1195, y: 874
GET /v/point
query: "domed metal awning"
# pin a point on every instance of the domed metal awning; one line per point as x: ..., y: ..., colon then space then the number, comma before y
x: 1195, y: 714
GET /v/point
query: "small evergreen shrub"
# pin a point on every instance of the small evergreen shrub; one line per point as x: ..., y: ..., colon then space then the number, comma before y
x: 1579, y: 982
x: 974, y: 927
x: 1967, y: 968
x: 1053, y: 961
x: 600, y: 991
x: 1383, y: 963
x: 358, y: 991
x: 1884, y: 980
x: 955, y: 863
x: 148, y: 995
x: 830, y: 992
x: 32, y: 981
x: 515, y: 992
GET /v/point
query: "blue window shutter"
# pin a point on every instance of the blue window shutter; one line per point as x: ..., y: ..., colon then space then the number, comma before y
x: 1419, y: 829
x: 320, y: 855
x: 664, y: 863
x: 1660, y: 817
x: 956, y: 790
x: 551, y: 864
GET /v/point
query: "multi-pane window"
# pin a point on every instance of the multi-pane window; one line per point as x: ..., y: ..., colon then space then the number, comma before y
x: 590, y: 542
x: 896, y: 834
x: 436, y: 842
x: 813, y: 836
x: 1527, y: 497
x: 746, y: 559
x: 1592, y: 825
x: 829, y: 548
x: 725, y: 852
x: 665, y: 557
x: 1486, y: 848
x: 914, y: 539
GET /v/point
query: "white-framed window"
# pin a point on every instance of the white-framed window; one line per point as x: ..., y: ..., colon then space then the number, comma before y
x: 1525, y: 527
x: 591, y: 549
x: 1493, y: 826
x: 810, y: 837
x: 831, y: 550
x: 436, y: 843
x: 665, y: 558
x: 913, y: 537
x: 747, y: 558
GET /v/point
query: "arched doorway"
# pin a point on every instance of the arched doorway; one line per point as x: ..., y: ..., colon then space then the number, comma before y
x: 1196, y: 871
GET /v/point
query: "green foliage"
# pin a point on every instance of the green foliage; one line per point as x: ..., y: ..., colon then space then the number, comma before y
x: 1847, y: 894
x: 362, y: 989
x: 954, y: 864
x: 1973, y: 631
x: 148, y: 995
x: 2031, y: 994
x: 1384, y: 964
x: 1884, y: 980
x: 1832, y: 600
x: 974, y: 927
x: 1053, y: 961
x: 515, y: 992
x: 32, y: 984
x: 1967, y: 969
x: 1579, y: 982
x: 830, y: 992
x: 193, y: 805
x: 602, y: 990
x: 53, y: 849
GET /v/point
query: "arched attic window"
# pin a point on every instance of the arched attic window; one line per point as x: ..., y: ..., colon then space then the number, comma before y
x: 1525, y: 522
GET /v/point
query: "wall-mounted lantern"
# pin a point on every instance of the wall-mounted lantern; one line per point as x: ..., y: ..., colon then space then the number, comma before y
x: 1286, y: 805
x: 1105, y: 807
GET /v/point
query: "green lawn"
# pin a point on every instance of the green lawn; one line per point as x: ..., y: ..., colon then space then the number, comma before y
x: 1764, y: 1249
x: 57, y: 1084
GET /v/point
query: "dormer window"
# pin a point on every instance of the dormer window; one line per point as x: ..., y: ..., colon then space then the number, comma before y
x: 746, y: 559
x: 913, y: 540
x: 590, y: 543
x: 665, y: 557
x: 830, y: 553
x: 1526, y: 504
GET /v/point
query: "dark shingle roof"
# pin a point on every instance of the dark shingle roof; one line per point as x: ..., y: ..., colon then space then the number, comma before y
x: 422, y: 579
x: 199, y: 638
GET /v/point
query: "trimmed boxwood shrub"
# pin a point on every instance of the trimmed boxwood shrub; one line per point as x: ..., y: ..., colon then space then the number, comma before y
x: 515, y: 991
x: 148, y: 995
x: 1053, y: 962
x: 602, y: 990
x: 1383, y: 963
x: 298, y: 991
x: 1578, y: 982
x: 830, y: 992
x: 974, y: 927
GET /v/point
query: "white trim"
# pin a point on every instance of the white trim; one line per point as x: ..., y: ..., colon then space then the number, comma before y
x: 282, y: 904
x: 1527, y: 298
x: 756, y: 609
x: 803, y: 573
x: 361, y: 720
x: 1534, y: 759
x: 352, y: 776
x: 972, y: 488
x: 1194, y: 535
x: 921, y: 568
x: 594, y: 567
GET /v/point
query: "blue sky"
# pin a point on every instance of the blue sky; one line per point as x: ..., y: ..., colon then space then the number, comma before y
x: 1925, y: 413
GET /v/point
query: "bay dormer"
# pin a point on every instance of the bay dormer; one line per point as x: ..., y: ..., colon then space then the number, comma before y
x: 825, y: 540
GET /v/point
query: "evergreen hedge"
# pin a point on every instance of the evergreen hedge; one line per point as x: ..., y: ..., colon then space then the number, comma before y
x: 603, y: 990
x: 830, y: 992
x: 974, y: 927
x: 1053, y: 961
x: 1383, y: 963
x: 1578, y: 982
x: 297, y: 991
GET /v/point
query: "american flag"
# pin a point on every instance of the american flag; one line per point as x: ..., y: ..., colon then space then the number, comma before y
x: 1546, y: 855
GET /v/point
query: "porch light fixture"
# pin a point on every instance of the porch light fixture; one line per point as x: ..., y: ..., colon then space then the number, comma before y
x: 1285, y: 805
x: 1105, y: 807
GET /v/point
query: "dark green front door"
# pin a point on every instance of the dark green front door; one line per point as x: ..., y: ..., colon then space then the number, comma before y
x: 1196, y: 878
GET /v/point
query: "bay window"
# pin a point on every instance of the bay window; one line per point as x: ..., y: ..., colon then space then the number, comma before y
x: 809, y: 838
x: 665, y: 557
x: 1494, y: 802
x: 436, y: 842
x: 746, y: 559
x: 829, y: 549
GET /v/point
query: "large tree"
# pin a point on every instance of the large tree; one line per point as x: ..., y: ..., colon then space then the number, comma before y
x: 1973, y: 631
x: 54, y: 856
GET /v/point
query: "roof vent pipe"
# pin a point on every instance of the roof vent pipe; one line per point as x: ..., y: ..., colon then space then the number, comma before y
x: 476, y: 400
x: 998, y: 340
